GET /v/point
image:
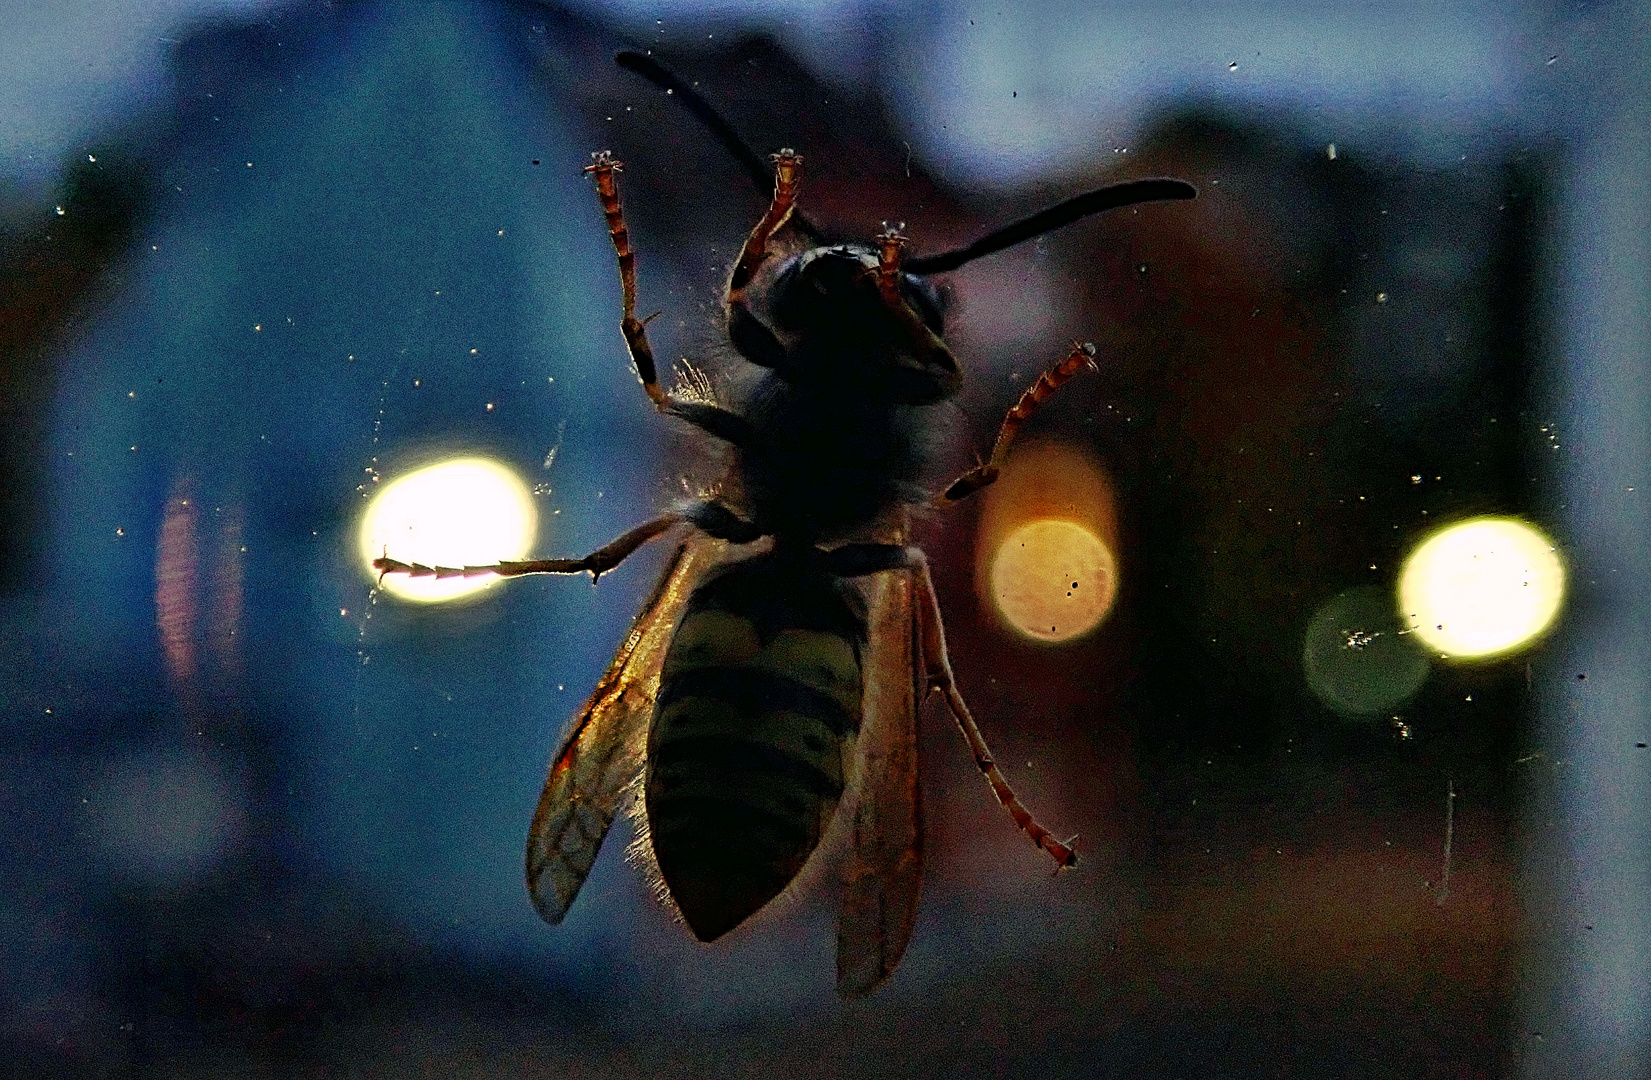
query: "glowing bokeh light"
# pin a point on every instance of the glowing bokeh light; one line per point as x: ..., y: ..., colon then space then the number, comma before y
x: 1481, y: 587
x: 465, y: 512
x: 1053, y: 580
x: 1357, y: 658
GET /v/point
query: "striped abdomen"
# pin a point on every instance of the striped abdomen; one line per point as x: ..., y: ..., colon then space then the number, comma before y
x: 758, y: 708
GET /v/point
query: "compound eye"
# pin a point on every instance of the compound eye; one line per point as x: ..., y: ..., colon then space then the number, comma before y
x: 927, y: 301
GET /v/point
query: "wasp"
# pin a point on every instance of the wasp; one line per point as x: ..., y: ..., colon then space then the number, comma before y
x: 776, y: 670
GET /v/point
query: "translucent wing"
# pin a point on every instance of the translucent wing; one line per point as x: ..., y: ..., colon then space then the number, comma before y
x: 603, y: 753
x: 884, y: 872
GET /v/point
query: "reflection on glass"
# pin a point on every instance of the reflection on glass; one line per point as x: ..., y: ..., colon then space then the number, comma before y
x: 1053, y: 580
x: 1047, y: 544
x: 1356, y: 656
x: 1482, y: 587
x: 466, y: 512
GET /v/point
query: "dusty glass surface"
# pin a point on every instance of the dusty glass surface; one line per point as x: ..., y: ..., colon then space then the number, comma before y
x: 259, y: 261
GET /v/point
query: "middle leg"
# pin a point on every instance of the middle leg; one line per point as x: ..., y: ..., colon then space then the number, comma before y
x: 596, y: 564
x: 1082, y: 356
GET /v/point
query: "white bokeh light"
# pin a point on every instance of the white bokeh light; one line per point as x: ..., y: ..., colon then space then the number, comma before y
x: 466, y: 512
x: 1481, y: 587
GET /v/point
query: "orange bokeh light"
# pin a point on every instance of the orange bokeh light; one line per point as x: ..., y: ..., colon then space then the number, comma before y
x: 1046, y: 553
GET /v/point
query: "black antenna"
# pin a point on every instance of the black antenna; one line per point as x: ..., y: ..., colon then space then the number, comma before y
x: 761, y: 173
x: 1079, y: 206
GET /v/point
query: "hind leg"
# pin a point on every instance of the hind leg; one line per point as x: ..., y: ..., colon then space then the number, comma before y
x: 853, y: 560
x: 938, y: 668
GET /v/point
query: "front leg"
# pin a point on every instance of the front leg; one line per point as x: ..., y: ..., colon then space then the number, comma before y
x: 919, y: 339
x: 788, y: 166
x: 746, y: 332
x: 710, y: 418
x: 604, y: 167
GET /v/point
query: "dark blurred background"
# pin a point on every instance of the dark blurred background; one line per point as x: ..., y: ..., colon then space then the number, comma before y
x: 257, y: 258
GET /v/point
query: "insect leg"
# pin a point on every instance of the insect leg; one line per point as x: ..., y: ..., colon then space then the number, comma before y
x: 939, y: 671
x: 1082, y: 356
x: 923, y: 343
x: 750, y: 337
x: 787, y: 170
x: 597, y: 563
x: 718, y: 422
x: 857, y: 560
x: 715, y: 519
x: 714, y: 420
x: 603, y: 166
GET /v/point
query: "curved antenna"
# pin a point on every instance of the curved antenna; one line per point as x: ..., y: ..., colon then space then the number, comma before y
x: 758, y: 170
x: 1079, y: 206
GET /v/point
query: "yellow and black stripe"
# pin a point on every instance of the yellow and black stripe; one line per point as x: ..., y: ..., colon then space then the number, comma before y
x: 758, y: 709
